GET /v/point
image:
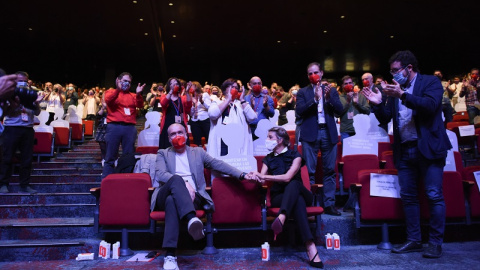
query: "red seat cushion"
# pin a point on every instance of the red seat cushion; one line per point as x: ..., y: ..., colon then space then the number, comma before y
x: 352, y: 164
x: 236, y: 201
x: 474, y: 195
x: 44, y: 143
x: 147, y: 149
x: 125, y: 200
x: 160, y: 215
x: 77, y: 130
x: 88, y: 127
x: 377, y: 208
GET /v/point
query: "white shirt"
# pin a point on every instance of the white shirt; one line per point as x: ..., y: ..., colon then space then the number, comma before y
x: 321, y: 112
x: 182, y: 168
x: 406, y: 123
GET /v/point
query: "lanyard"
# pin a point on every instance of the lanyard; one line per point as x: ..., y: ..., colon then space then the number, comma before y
x: 178, y: 108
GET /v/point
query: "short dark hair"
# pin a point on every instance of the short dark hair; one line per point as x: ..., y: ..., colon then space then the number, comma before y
x: 280, y: 132
x: 315, y: 64
x: 378, y: 77
x: 228, y: 82
x: 123, y: 74
x: 167, y: 85
x: 22, y: 73
x: 405, y: 58
x: 346, y: 77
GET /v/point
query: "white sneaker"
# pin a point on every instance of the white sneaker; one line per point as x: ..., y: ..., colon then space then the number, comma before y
x: 170, y: 263
x: 103, y: 162
x: 195, y: 228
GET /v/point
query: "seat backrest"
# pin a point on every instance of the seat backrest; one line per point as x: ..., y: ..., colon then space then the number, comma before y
x: 463, y: 140
x: 236, y: 201
x: 125, y: 200
x: 451, y: 125
x: 44, y: 142
x: 384, y: 146
x: 377, y: 208
x: 388, y: 157
x: 147, y: 149
x: 474, y: 197
x: 452, y: 193
x: 62, y: 136
x: 259, y: 162
x: 77, y: 131
x: 458, y: 161
x: 352, y: 164
x: 88, y: 127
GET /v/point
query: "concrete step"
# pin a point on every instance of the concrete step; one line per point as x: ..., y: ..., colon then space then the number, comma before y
x: 65, y: 178
x: 65, y: 210
x: 46, y: 198
x: 46, y: 228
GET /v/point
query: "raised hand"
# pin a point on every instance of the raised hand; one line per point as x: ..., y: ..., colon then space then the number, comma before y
x: 375, y: 98
x: 140, y: 88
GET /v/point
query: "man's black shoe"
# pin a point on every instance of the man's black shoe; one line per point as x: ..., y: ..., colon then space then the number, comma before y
x: 407, y: 247
x: 433, y: 251
x: 331, y: 210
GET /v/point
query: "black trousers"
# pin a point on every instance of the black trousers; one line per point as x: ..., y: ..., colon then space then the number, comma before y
x: 174, y: 199
x: 13, y: 138
x: 293, y: 203
x: 200, y: 129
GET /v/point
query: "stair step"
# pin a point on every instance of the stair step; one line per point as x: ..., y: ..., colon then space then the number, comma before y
x: 65, y: 178
x: 47, y: 211
x: 68, y: 164
x: 61, y: 171
x: 40, y: 243
x: 46, y: 228
x: 46, y: 198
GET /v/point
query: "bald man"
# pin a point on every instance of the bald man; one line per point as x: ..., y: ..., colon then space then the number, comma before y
x: 179, y: 170
x: 261, y: 103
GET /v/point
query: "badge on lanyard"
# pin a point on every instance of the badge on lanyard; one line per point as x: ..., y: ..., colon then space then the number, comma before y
x: 178, y: 119
x: 127, y: 111
x: 24, y: 116
x: 105, y: 121
x: 350, y: 115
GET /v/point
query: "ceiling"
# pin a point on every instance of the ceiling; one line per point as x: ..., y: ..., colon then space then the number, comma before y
x: 88, y: 42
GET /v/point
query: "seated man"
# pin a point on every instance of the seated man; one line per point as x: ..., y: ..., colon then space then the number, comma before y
x: 179, y: 172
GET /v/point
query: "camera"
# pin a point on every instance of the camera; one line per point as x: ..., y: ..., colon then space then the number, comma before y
x: 55, y: 89
x: 26, y: 95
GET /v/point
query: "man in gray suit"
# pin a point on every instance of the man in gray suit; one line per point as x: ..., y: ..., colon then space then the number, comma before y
x: 179, y: 172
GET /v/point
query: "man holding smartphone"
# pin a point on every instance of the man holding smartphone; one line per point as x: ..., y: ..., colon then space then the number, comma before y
x: 414, y: 102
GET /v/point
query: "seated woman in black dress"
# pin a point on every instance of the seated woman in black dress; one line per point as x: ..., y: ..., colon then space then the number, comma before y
x: 282, y: 167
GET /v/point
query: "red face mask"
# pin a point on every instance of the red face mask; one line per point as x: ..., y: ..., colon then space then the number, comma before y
x: 176, y: 89
x: 235, y: 94
x: 279, y: 94
x: 348, y: 88
x: 366, y: 83
x: 474, y: 77
x: 179, y: 142
x: 191, y: 90
x: 256, y: 89
x: 314, y: 78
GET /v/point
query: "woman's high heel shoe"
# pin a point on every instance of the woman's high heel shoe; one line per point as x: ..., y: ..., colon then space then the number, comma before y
x: 277, y: 228
x: 316, y: 264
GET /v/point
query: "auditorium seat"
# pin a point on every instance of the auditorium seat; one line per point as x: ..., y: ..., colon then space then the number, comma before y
x: 77, y: 132
x: 147, y: 149
x: 62, y: 138
x: 43, y: 145
x: 473, y: 193
x: 386, y: 158
x: 461, y: 116
x: 384, y: 146
x: 89, y: 130
x: 373, y: 211
x: 123, y: 205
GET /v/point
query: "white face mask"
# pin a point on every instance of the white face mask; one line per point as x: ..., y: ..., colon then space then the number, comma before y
x: 270, y: 144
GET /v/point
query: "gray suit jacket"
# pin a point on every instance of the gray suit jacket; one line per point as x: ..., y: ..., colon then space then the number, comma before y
x: 198, y: 159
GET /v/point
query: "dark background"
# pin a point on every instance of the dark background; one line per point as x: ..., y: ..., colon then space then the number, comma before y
x: 90, y: 42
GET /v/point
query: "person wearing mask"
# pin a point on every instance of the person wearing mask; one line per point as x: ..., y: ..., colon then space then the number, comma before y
x: 420, y: 146
x: 470, y: 90
x: 282, y: 168
x: 216, y: 95
x: 316, y: 106
x: 233, y: 109
x: 121, y: 119
x: 353, y: 104
x: 454, y: 89
x: 446, y: 101
x: 90, y: 103
x: 261, y: 104
x: 179, y: 170
x: 54, y: 99
x: 286, y: 103
x: 18, y: 134
x: 71, y: 97
x: 199, y: 121
x: 175, y: 108
x: 154, y: 97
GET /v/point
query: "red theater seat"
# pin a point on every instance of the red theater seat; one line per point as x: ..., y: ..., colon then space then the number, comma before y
x: 473, y: 192
x: 147, y: 150
x: 45, y: 142
x: 62, y: 137
x: 89, y: 124
x: 77, y: 132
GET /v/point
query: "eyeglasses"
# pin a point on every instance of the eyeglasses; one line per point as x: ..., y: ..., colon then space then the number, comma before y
x: 396, y: 70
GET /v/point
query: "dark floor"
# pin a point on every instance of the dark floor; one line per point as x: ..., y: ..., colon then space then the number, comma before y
x: 456, y: 256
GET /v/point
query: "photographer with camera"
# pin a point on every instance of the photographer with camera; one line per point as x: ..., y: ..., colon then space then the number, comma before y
x: 19, y: 133
x: 55, y: 99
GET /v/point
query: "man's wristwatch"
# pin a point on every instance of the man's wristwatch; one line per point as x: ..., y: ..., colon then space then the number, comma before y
x: 403, y: 96
x: 242, y: 176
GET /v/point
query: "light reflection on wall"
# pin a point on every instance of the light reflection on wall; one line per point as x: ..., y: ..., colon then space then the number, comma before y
x: 349, y: 62
x: 366, y: 65
x: 328, y: 64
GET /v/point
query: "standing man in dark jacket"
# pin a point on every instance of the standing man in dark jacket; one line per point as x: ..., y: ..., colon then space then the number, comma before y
x: 414, y: 102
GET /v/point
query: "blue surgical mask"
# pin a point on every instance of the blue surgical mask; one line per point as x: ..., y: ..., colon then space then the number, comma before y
x: 125, y: 86
x: 398, y: 77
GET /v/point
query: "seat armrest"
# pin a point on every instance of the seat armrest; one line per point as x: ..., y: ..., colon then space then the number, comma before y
x: 316, y: 188
x: 355, y: 187
x: 208, y: 208
x: 382, y: 163
x: 95, y: 192
x: 467, y: 184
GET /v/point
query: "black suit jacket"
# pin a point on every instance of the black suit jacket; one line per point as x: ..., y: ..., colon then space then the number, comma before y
x: 306, y: 109
x: 426, y: 103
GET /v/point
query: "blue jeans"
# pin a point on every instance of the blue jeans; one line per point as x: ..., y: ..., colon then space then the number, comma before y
x: 472, y: 112
x: 115, y: 135
x: 413, y: 167
x: 329, y: 155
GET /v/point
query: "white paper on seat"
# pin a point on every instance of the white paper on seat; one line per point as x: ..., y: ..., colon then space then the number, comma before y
x: 466, y: 130
x: 384, y: 185
x: 477, y: 178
